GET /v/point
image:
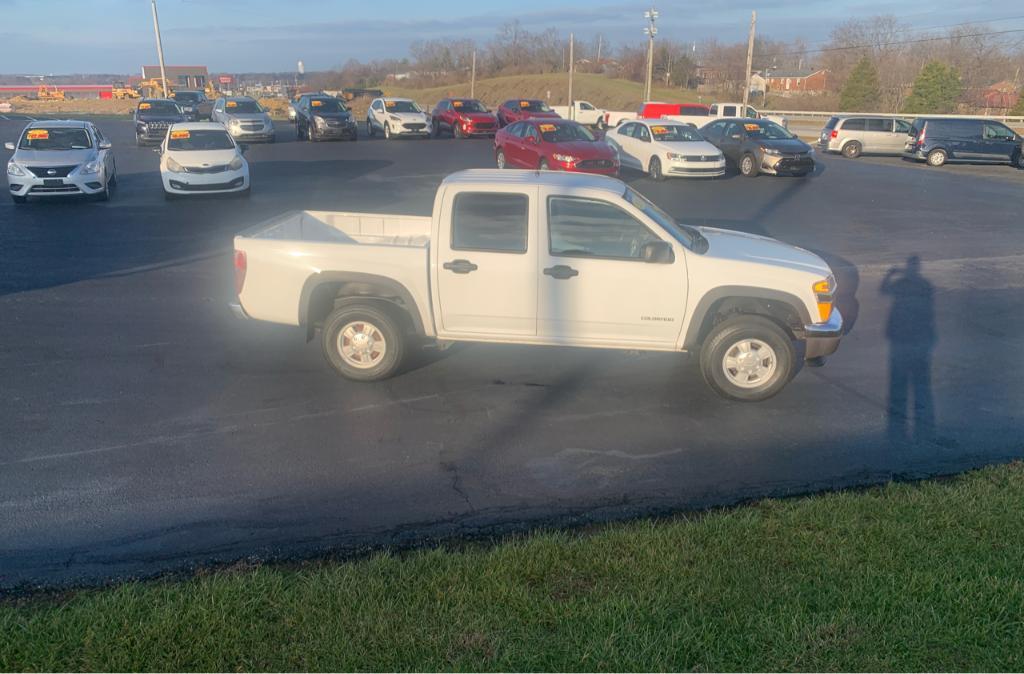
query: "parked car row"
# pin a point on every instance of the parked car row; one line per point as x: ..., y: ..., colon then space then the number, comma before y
x: 243, y: 117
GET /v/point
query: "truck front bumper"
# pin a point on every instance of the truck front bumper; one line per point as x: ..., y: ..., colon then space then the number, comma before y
x: 823, y: 338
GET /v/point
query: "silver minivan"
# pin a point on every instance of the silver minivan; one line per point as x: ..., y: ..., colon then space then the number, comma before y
x: 854, y: 135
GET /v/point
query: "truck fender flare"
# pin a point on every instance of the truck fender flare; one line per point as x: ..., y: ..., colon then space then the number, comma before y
x: 697, y: 327
x: 368, y: 286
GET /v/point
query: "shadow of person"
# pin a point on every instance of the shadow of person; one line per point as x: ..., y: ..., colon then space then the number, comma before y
x: 910, y: 330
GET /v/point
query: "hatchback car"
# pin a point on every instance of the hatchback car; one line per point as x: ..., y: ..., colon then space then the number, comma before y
x: 758, y: 145
x: 855, y: 135
x: 153, y: 116
x: 59, y: 158
x: 666, y: 149
x: 397, y: 117
x: 202, y: 158
x: 554, y: 144
x: 245, y: 119
x: 463, y: 117
x: 323, y: 117
x: 519, y: 109
x: 941, y: 139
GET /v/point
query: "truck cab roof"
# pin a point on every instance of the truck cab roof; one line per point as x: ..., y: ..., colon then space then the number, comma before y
x: 556, y: 179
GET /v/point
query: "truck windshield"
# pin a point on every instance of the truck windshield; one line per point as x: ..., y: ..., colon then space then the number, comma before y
x: 187, y: 96
x: 681, y: 233
x: 199, y: 140
x: 55, y: 139
x: 565, y: 133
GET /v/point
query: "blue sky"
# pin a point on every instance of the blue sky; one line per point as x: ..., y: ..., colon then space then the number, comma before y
x: 63, y: 36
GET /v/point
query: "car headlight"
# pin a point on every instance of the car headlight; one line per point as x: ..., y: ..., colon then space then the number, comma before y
x: 565, y: 158
x: 770, y: 150
x: 674, y: 156
x: 236, y: 163
x: 174, y: 167
x: 319, y: 121
x: 14, y: 170
x: 234, y: 123
x: 394, y: 118
x: 91, y: 167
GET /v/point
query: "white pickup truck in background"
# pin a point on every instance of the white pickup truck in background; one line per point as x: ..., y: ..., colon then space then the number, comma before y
x: 716, y: 110
x: 583, y: 112
x: 541, y: 258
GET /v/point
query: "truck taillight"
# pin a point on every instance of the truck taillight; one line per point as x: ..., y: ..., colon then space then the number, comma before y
x: 241, y: 264
x: 835, y: 134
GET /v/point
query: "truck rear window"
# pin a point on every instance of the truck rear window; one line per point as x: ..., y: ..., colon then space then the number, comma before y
x: 490, y: 221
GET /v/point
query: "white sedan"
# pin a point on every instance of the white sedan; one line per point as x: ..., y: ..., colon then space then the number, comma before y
x: 661, y: 148
x: 202, y: 158
x: 397, y: 117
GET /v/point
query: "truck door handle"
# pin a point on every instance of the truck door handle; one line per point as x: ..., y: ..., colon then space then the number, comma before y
x: 561, y: 272
x: 460, y: 266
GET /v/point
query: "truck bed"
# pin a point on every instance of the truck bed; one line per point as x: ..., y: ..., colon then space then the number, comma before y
x: 341, y: 227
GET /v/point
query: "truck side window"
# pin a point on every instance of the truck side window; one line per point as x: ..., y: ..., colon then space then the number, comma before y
x: 490, y: 221
x: 588, y: 228
x: 729, y: 111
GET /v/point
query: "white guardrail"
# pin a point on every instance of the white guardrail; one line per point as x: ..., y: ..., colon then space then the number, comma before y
x: 804, y: 115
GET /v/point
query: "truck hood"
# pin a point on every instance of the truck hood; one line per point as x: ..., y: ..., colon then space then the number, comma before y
x: 53, y: 157
x: 740, y: 246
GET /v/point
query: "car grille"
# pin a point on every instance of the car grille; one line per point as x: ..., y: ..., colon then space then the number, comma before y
x: 207, y: 169
x: 483, y: 125
x: 252, y: 126
x: 414, y: 126
x: 701, y: 169
x: 63, y: 189
x: 336, y: 123
x: 58, y: 171
x: 595, y: 164
x: 700, y: 157
x: 213, y: 187
x: 157, y: 129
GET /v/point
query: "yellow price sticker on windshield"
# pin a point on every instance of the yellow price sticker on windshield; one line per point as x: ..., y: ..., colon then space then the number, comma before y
x: 659, y: 129
x: 317, y: 104
x: 524, y: 104
x: 752, y: 127
x: 38, y: 134
x: 390, y: 104
x: 232, y: 104
x: 180, y: 135
x: 547, y: 128
x: 145, y: 106
x: 456, y: 104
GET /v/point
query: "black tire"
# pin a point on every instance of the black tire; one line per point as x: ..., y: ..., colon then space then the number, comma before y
x: 544, y: 166
x: 654, y: 170
x: 457, y: 132
x: 852, y: 149
x: 937, y: 158
x: 246, y: 193
x: 727, y: 337
x: 311, y: 134
x: 499, y: 159
x: 435, y: 129
x: 373, y: 325
x: 19, y: 200
x: 369, y: 128
x: 1019, y: 162
x: 104, y: 195
x: 138, y: 141
x: 298, y: 131
x: 748, y: 165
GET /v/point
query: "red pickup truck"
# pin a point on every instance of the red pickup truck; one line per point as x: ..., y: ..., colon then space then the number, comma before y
x: 463, y: 117
x: 519, y: 109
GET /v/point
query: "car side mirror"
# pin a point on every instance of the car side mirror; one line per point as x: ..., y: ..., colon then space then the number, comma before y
x: 657, y: 252
x: 735, y: 136
x: 105, y: 145
x: 532, y: 140
x: 9, y: 146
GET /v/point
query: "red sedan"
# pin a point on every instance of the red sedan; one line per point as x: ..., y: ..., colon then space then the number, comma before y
x: 463, y: 117
x: 554, y: 144
x: 523, y: 108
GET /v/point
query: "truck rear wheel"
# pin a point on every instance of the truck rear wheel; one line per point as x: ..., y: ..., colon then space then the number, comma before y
x: 363, y: 342
x: 747, y: 358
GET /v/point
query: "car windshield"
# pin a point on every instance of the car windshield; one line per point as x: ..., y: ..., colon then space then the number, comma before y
x: 564, y: 133
x: 532, y: 106
x: 194, y: 140
x: 674, y: 132
x: 402, y: 106
x: 158, y: 108
x: 186, y: 96
x: 767, y: 131
x: 684, y: 234
x: 329, y: 105
x: 55, y: 139
x: 243, y: 107
x: 466, y: 105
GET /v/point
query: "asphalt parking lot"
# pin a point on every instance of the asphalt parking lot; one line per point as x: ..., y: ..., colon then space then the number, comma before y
x: 143, y: 429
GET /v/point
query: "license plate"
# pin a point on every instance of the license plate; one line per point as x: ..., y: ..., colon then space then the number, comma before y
x: 53, y: 182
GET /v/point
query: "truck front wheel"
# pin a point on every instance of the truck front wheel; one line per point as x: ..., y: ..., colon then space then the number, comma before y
x: 747, y: 358
x: 363, y: 342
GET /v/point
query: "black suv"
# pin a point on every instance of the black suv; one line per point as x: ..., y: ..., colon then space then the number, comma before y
x: 196, y: 106
x: 323, y: 117
x: 153, y: 117
x: 941, y: 139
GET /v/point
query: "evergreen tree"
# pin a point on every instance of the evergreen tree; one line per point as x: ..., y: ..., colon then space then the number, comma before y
x: 936, y: 90
x: 861, y: 93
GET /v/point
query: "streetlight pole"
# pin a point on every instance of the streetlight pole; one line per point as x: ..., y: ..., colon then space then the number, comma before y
x: 650, y: 30
x: 160, y: 49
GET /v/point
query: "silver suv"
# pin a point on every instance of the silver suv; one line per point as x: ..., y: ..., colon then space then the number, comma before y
x: 854, y: 135
x: 58, y: 158
x: 244, y: 118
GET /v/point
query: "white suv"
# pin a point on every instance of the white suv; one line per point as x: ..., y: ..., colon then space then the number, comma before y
x: 58, y: 158
x: 397, y: 117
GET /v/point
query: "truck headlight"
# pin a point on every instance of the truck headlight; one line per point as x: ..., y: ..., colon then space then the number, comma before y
x: 236, y: 163
x: 174, y: 167
x: 565, y: 158
x: 14, y: 170
x: 824, y: 293
x: 91, y: 167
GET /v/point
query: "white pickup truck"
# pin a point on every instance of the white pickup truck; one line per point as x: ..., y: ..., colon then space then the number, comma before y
x: 583, y: 112
x: 541, y: 258
x: 716, y: 110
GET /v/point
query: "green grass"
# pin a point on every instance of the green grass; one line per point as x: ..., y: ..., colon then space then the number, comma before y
x: 924, y: 576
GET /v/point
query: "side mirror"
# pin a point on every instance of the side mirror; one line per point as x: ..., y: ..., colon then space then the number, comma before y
x: 736, y: 136
x: 243, y: 147
x: 105, y: 145
x: 532, y: 140
x: 657, y: 252
x: 9, y: 146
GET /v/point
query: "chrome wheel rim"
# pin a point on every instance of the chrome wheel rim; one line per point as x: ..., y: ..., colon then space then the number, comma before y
x: 750, y: 363
x: 936, y: 159
x: 748, y: 165
x: 361, y: 344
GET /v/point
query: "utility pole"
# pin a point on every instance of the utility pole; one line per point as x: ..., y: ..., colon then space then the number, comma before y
x: 600, y: 43
x: 572, y: 113
x: 750, y: 60
x: 472, y: 77
x: 650, y: 30
x: 160, y: 49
